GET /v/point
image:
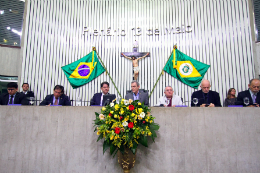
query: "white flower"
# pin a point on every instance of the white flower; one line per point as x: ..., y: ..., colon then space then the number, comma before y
x: 101, y: 116
x: 125, y: 124
x: 112, y: 104
x: 126, y: 102
x: 142, y: 114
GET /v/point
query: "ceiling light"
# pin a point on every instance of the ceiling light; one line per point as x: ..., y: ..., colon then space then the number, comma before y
x: 2, y: 11
x: 10, y: 9
x: 8, y: 27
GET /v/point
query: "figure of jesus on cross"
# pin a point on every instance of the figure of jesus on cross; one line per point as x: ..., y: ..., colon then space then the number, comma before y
x: 132, y: 56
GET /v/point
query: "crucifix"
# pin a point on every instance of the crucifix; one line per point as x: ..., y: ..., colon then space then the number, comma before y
x: 133, y: 56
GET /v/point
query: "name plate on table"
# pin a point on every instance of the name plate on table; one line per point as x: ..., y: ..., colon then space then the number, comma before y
x: 235, y: 106
x: 181, y: 106
x: 14, y: 105
x: 55, y: 105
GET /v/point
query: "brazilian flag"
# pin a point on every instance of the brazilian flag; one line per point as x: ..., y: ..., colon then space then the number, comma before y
x: 83, y: 70
x: 185, y: 68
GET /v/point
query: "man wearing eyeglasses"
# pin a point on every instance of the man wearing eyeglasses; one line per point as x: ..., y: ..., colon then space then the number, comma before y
x: 13, y: 97
x: 252, y: 94
x: 57, y: 98
x: 206, y: 97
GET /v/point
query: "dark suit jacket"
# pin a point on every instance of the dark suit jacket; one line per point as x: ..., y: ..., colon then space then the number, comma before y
x: 143, y: 97
x: 19, y: 98
x: 96, y: 99
x: 243, y: 94
x: 213, y: 97
x: 29, y: 94
x: 64, y: 100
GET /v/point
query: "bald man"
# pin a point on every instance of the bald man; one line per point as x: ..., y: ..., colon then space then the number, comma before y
x: 206, y: 97
x: 252, y: 94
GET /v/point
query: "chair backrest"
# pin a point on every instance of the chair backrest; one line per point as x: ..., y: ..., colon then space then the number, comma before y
x: 140, y: 90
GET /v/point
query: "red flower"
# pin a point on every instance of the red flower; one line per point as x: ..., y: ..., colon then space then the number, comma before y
x: 117, y: 130
x: 121, y: 118
x: 130, y: 125
x: 110, y: 114
x: 131, y: 107
x: 143, y: 122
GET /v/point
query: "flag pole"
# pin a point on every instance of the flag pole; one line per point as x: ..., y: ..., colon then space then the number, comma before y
x: 175, y: 47
x: 94, y: 49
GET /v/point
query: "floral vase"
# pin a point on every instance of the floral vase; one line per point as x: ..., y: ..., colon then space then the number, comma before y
x: 126, y: 160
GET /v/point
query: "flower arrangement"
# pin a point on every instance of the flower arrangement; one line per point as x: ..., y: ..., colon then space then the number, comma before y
x: 125, y: 124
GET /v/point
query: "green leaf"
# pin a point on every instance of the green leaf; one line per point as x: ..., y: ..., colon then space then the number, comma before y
x: 122, y: 149
x: 106, y: 145
x: 97, y: 114
x: 154, y: 126
x: 112, y: 149
x: 133, y: 149
x: 143, y: 141
x: 115, y: 152
x: 100, y: 137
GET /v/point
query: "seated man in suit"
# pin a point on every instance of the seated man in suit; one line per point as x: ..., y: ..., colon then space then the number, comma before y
x: 205, y: 96
x: 57, y: 98
x: 169, y: 99
x: 98, y: 97
x: 13, y: 97
x: 26, y: 91
x: 136, y: 95
x: 252, y: 94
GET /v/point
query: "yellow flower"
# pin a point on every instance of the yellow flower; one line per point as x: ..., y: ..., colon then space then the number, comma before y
x: 111, y: 137
x: 115, y: 116
x: 104, y: 108
x: 151, y: 121
x: 111, y: 112
x: 116, y: 137
x: 127, y: 108
x: 130, y: 101
x: 147, y: 128
x: 116, y: 107
x: 140, y: 110
x: 142, y: 132
x: 139, y: 103
x: 122, y: 111
x: 132, y: 114
x: 98, y: 133
x: 150, y: 133
x: 139, y: 117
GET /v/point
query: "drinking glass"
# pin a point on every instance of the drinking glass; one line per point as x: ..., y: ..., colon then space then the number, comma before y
x: 246, y: 101
x: 78, y: 101
x: 195, y: 101
x: 31, y: 100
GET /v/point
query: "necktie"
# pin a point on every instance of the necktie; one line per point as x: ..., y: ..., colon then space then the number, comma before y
x: 56, y: 102
x: 11, y: 100
x: 170, y: 103
x: 254, y: 98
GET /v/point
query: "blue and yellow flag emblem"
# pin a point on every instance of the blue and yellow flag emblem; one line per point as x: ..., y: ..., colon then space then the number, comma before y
x: 83, y: 70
